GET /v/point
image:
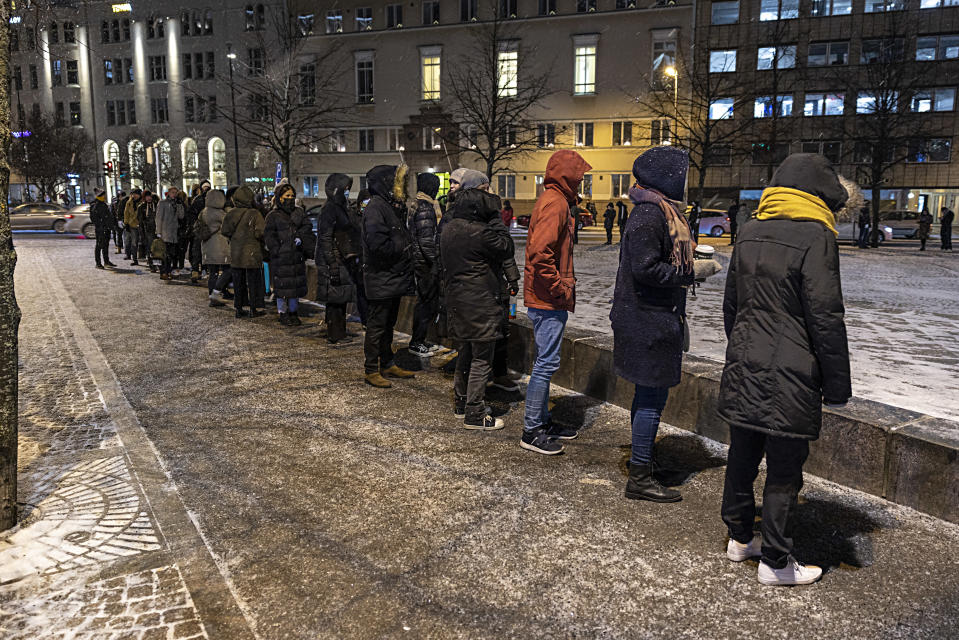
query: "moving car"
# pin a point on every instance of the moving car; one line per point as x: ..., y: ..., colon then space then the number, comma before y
x: 77, y: 220
x: 585, y: 220
x: 714, y: 222
x: 38, y: 216
x: 904, y: 224
x: 849, y: 232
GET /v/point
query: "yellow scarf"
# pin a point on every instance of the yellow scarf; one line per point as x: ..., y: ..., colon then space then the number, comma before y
x: 783, y: 203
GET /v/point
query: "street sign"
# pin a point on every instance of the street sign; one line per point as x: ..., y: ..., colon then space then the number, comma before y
x: 279, y: 172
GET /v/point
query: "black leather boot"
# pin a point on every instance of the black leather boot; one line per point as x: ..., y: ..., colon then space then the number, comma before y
x: 641, y: 485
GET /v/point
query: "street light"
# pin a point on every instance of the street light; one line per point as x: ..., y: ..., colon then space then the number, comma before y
x: 236, y: 148
x: 671, y: 72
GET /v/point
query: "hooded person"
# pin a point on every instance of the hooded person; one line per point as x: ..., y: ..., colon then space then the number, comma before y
x: 387, y: 269
x: 243, y: 226
x: 549, y: 291
x: 288, y: 235
x: 337, y: 248
x: 170, y: 213
x: 787, y: 356
x: 194, y: 246
x: 102, y: 221
x: 146, y: 220
x: 131, y: 226
x: 656, y: 264
x: 474, y: 245
x: 214, y: 245
x: 422, y: 223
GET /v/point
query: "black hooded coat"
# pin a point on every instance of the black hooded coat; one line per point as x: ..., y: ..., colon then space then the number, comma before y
x: 287, y: 258
x: 474, y: 245
x: 783, y: 312
x: 339, y: 241
x: 387, y: 247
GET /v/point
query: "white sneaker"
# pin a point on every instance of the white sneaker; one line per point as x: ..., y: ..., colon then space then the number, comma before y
x: 738, y: 552
x: 793, y: 573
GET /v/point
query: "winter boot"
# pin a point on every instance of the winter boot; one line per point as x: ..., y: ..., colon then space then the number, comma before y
x: 285, y: 319
x: 394, y: 371
x: 376, y: 379
x: 294, y: 318
x: 643, y: 486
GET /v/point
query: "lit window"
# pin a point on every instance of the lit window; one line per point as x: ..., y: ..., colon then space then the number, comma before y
x: 334, y: 21
x: 663, y: 53
x: 879, y: 6
x: 584, y: 67
x: 939, y: 99
x: 783, y: 57
x: 929, y: 150
x: 721, y: 109
x: 722, y: 61
x: 823, y: 104
x: 508, y: 69
x: 778, y: 9
x: 868, y: 102
x: 430, y: 69
x: 769, y: 106
x: 830, y: 8
x: 364, y: 19
x: 364, y: 76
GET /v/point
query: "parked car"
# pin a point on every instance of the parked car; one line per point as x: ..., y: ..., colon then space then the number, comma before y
x: 77, y: 220
x: 585, y: 220
x: 849, y: 232
x: 713, y: 222
x: 904, y: 224
x: 38, y: 216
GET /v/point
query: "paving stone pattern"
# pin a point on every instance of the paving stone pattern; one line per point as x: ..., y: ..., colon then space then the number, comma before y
x: 88, y: 559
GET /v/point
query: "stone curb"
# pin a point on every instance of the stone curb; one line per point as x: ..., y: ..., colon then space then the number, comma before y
x: 903, y: 456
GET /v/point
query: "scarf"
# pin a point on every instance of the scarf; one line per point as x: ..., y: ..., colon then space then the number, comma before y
x: 436, y: 205
x: 682, y: 252
x: 784, y: 203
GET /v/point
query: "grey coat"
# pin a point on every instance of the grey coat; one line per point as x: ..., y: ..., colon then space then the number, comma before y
x: 216, y: 249
x: 169, y: 213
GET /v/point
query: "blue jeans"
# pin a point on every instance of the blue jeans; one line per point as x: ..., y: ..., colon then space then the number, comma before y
x: 287, y: 304
x: 548, y: 327
x: 648, y: 404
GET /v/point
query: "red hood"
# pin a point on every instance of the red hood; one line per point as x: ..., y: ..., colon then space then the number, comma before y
x: 565, y: 171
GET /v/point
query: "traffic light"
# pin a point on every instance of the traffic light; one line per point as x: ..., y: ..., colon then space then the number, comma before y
x: 108, y: 167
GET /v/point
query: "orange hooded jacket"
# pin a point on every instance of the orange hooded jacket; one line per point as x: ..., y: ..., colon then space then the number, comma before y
x: 549, y: 282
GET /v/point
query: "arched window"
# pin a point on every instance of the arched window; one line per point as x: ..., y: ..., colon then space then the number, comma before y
x: 165, y: 160
x: 185, y: 23
x: 137, y: 163
x: 208, y: 23
x: 191, y: 163
x: 53, y: 34
x: 116, y: 30
x: 111, y: 153
x: 250, y: 18
x: 216, y: 150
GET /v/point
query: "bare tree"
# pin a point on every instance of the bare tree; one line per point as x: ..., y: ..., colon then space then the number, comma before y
x: 490, y: 99
x: 711, y: 114
x: 288, y: 96
x: 49, y: 152
x: 9, y: 310
x: 889, y: 127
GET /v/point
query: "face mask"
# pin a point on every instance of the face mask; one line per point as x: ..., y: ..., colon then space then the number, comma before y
x: 346, y: 194
x: 288, y: 205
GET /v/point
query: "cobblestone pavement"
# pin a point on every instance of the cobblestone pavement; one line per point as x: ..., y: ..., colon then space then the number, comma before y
x: 86, y: 516
x: 323, y: 508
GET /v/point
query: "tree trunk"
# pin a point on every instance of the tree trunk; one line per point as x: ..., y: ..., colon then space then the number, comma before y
x: 9, y: 311
x: 874, y: 232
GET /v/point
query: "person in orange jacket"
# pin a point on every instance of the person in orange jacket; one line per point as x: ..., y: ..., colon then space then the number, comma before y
x: 549, y: 292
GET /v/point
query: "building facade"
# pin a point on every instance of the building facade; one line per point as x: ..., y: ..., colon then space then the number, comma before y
x: 819, y: 71
x: 599, y: 55
x: 143, y: 79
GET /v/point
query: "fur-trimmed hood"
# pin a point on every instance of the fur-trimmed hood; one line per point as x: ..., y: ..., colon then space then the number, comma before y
x: 389, y: 182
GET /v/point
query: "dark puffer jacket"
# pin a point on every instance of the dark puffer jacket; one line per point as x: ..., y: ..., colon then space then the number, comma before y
x: 287, y: 258
x: 783, y: 312
x: 649, y: 304
x: 475, y: 243
x: 244, y: 227
x: 387, y: 247
x: 422, y: 225
x: 339, y: 241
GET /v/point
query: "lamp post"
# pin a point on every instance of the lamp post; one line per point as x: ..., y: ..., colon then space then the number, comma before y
x: 671, y: 72
x: 236, y: 148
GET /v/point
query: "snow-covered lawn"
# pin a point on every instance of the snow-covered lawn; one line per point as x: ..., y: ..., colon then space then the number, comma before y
x: 902, y: 315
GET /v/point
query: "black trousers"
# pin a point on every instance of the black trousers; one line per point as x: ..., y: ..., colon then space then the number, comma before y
x: 169, y: 258
x: 102, y: 248
x: 784, y: 461
x: 378, y: 345
x: 946, y: 233
x: 247, y: 288
x: 356, y: 275
x: 501, y: 349
x: 335, y: 321
x: 424, y: 313
x: 473, y: 369
x: 609, y: 235
x: 117, y: 238
x: 218, y: 277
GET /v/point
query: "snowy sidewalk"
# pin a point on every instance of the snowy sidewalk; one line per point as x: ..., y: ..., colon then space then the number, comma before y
x: 89, y: 559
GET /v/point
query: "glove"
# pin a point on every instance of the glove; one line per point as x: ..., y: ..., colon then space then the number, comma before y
x: 297, y: 241
x: 513, y: 288
x: 703, y: 269
x: 335, y: 276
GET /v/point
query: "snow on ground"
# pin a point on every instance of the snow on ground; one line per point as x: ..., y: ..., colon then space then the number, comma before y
x: 902, y: 317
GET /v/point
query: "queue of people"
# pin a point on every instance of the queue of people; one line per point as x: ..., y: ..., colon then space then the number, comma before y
x: 783, y: 310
